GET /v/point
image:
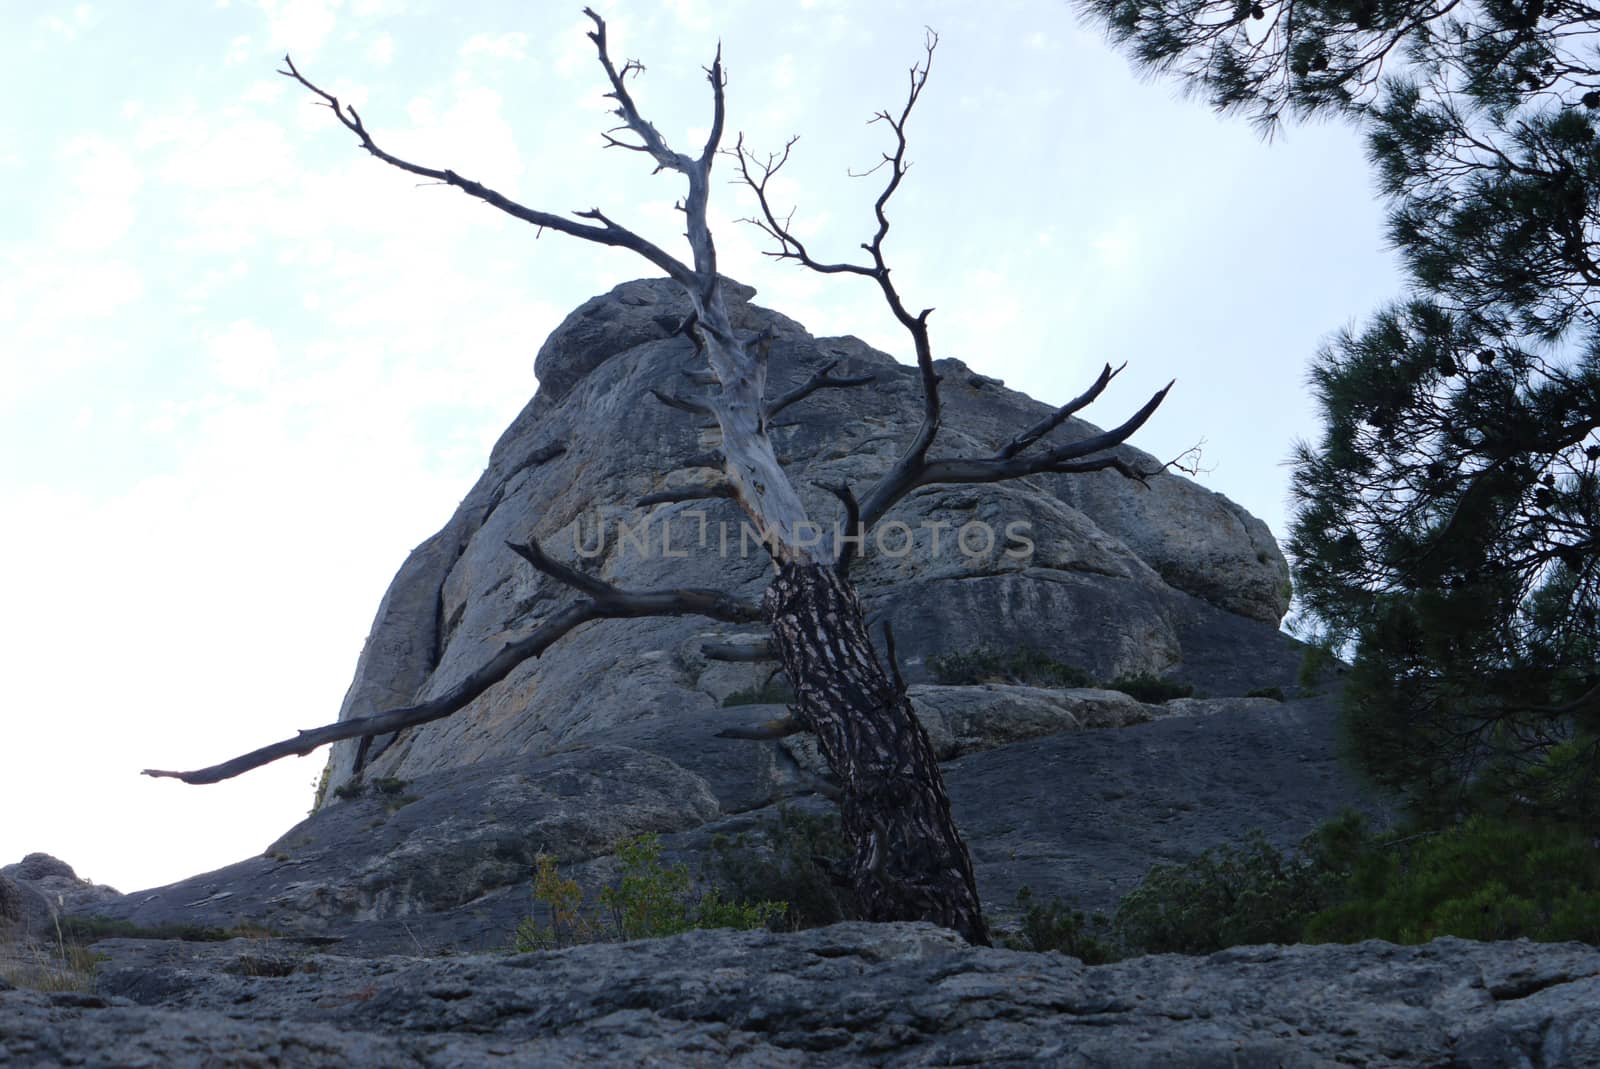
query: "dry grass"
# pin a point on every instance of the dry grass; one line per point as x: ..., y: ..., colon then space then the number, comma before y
x: 64, y: 966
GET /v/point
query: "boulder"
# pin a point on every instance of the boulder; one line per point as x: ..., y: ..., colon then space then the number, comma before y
x: 55, y: 881
x: 429, y: 837
x: 631, y: 315
x: 1114, y: 572
x: 24, y: 912
x: 36, y: 867
x: 963, y: 720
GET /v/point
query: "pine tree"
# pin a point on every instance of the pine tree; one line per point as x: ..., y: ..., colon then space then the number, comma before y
x: 1447, y: 519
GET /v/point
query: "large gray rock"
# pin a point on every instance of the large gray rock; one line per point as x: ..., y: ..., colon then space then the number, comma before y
x: 24, y: 912
x: 55, y: 882
x: 631, y: 315
x: 849, y: 995
x: 616, y: 729
x: 1105, y: 587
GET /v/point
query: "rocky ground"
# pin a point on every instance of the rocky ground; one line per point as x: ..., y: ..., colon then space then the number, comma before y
x: 848, y: 995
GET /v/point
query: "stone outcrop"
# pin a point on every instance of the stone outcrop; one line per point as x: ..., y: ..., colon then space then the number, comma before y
x: 1116, y: 571
x: 40, y: 887
x: 848, y: 995
x: 618, y: 728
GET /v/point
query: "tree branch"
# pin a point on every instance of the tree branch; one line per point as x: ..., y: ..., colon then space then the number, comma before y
x: 846, y: 552
x: 682, y: 404
x: 912, y: 460
x: 913, y: 468
x: 605, y: 602
x: 1062, y: 459
x: 626, y: 110
x: 779, y: 728
x: 1060, y: 415
x: 739, y: 652
x: 696, y: 170
x: 709, y: 492
x: 607, y: 233
x: 818, y: 381
x: 613, y: 602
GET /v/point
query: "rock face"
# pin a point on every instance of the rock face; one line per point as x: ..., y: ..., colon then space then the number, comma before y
x: 848, y: 995
x: 1116, y: 570
x: 429, y: 837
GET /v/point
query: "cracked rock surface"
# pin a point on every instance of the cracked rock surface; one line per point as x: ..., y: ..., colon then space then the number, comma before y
x: 849, y: 995
x: 1121, y: 577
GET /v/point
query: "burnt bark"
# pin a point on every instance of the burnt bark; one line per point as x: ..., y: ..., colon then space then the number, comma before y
x: 910, y: 861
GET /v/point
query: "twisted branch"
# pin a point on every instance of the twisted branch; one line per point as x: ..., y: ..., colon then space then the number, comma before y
x: 913, y: 468
x: 604, y: 602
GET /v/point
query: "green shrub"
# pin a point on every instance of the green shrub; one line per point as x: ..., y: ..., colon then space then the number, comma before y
x: 1488, y: 878
x: 798, y: 858
x: 1228, y: 896
x: 1025, y: 666
x: 1149, y: 688
x: 650, y: 900
x: 713, y: 912
x: 562, y: 900
x: 1056, y: 925
x: 1275, y: 693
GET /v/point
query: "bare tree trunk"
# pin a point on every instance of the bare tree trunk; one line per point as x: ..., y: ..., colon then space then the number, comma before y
x: 910, y: 861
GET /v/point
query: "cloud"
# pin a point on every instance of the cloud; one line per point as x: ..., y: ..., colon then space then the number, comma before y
x: 381, y: 50
x: 243, y: 355
x: 78, y: 21
x: 1117, y: 246
x: 507, y: 46
x: 53, y: 308
x: 228, y: 152
x: 783, y: 72
x: 104, y: 181
x: 694, y: 14
x: 299, y: 26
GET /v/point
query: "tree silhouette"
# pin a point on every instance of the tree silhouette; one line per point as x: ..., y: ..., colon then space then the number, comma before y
x: 909, y: 861
x: 1448, y: 520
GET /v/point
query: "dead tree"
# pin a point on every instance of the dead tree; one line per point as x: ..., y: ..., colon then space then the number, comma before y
x: 909, y: 861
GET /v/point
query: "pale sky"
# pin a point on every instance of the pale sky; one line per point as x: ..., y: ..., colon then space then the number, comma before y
x: 244, y: 367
